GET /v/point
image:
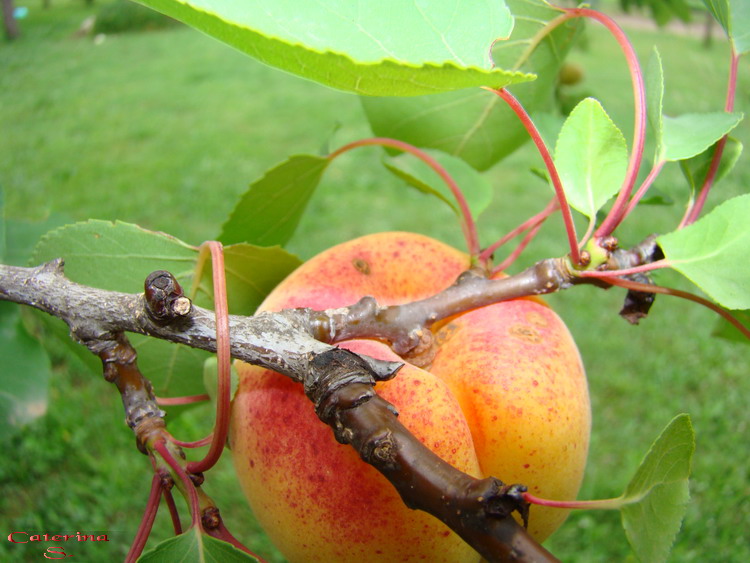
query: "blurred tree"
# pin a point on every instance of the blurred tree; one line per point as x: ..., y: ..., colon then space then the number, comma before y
x: 9, y: 20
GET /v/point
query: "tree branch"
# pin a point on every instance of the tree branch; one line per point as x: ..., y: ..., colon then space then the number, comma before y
x: 340, y: 384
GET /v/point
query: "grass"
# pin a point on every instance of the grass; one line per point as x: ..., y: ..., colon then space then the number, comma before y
x: 167, y: 128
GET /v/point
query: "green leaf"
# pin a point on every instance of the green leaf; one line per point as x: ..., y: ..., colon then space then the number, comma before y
x: 114, y: 255
x: 724, y: 329
x: 474, y: 125
x: 591, y: 157
x: 193, y: 546
x: 24, y: 377
x: 119, y: 257
x: 384, y: 48
x: 252, y: 272
x: 475, y: 187
x: 692, y: 133
x: 657, y: 495
x: 270, y: 210
x: 655, y: 99
x: 696, y: 169
x: 734, y: 17
x: 712, y: 252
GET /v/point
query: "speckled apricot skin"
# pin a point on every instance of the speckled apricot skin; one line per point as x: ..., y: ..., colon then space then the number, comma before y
x: 506, y: 396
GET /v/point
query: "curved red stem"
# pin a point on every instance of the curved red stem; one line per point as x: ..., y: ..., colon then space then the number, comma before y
x: 648, y: 288
x: 570, y: 228
x: 467, y: 220
x: 147, y: 522
x: 616, y: 214
x: 223, y: 353
x: 692, y: 215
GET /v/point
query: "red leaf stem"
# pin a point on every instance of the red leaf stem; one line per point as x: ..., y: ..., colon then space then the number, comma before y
x: 467, y: 220
x: 648, y: 288
x: 147, y: 522
x: 626, y: 271
x: 173, y: 514
x: 505, y: 264
x: 693, y: 213
x: 190, y: 492
x: 196, y: 444
x: 617, y: 213
x: 186, y: 400
x: 551, y: 207
x: 223, y: 354
x: 570, y: 228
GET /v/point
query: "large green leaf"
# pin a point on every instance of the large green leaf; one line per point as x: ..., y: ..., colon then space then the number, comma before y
x: 734, y: 17
x: 384, y: 48
x: 657, y: 496
x: 114, y: 255
x: 712, y: 252
x: 692, y: 133
x: 475, y: 187
x: 591, y: 157
x: 270, y: 210
x: 476, y: 125
x: 24, y: 377
x: 195, y: 547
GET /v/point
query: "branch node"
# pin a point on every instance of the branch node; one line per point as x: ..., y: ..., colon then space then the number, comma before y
x: 165, y: 299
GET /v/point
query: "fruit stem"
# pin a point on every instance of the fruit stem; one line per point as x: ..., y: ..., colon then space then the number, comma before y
x: 468, y: 224
x: 223, y: 353
x: 694, y: 211
x: 601, y: 504
x: 147, y: 522
x: 525, y: 118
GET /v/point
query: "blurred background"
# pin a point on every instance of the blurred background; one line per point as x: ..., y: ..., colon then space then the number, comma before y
x: 110, y: 111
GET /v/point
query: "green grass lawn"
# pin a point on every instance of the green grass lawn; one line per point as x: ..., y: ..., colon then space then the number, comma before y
x: 166, y: 129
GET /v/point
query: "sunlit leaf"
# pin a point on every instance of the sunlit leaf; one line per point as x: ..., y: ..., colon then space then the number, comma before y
x: 270, y: 210
x: 475, y: 125
x: 692, y: 133
x: 657, y: 496
x: 384, y: 48
x: 712, y: 252
x: 475, y: 187
x: 591, y: 157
